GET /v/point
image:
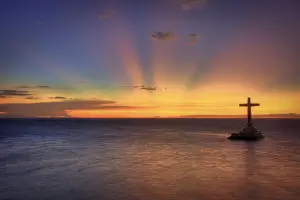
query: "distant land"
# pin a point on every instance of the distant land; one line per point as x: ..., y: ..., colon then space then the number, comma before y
x: 289, y: 115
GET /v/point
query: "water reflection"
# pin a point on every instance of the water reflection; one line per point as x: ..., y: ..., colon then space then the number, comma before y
x: 251, y: 187
x: 179, y: 170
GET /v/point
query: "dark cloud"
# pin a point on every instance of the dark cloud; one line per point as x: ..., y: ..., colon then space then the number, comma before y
x: 148, y: 88
x: 163, y: 36
x: 13, y: 93
x: 53, y: 109
x: 130, y: 86
x: 32, y: 98
x: 142, y: 87
x: 33, y: 87
x: 58, y: 97
x: 43, y: 86
x: 58, y: 109
x: 193, y: 38
x: 192, y: 4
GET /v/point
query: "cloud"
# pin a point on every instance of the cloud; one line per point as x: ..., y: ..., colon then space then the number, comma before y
x: 53, y: 109
x: 33, y: 87
x: 148, y: 88
x: 192, y: 4
x: 142, y: 87
x: 13, y: 93
x: 59, y: 109
x: 193, y: 38
x: 46, y: 87
x: 58, y: 97
x: 43, y: 86
x: 32, y: 98
x: 151, y: 88
x: 163, y: 36
x: 130, y: 86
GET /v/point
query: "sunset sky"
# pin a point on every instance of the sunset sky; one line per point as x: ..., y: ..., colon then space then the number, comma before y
x: 130, y: 58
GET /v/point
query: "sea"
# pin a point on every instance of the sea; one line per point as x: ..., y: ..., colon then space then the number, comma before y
x: 141, y: 159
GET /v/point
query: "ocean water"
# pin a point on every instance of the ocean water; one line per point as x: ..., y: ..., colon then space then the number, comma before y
x: 148, y: 159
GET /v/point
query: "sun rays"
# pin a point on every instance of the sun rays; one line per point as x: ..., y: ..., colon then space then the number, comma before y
x: 171, y: 63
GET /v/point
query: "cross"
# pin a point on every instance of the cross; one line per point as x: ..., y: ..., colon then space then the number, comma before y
x: 249, y: 105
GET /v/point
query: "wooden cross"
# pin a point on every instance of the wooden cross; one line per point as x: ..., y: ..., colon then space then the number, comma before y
x: 249, y: 105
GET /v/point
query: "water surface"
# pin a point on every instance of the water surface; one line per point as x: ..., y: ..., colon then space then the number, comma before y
x: 147, y: 159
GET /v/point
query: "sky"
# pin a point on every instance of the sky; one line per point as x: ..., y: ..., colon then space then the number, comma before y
x: 141, y: 58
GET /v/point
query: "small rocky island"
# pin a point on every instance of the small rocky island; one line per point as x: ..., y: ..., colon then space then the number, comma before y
x: 249, y: 132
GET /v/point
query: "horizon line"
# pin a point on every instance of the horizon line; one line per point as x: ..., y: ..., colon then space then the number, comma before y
x: 170, y: 117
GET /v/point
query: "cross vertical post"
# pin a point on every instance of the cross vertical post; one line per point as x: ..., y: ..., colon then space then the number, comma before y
x: 249, y: 112
x: 249, y: 105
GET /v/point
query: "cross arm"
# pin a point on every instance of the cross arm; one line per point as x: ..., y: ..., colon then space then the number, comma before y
x: 252, y: 104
